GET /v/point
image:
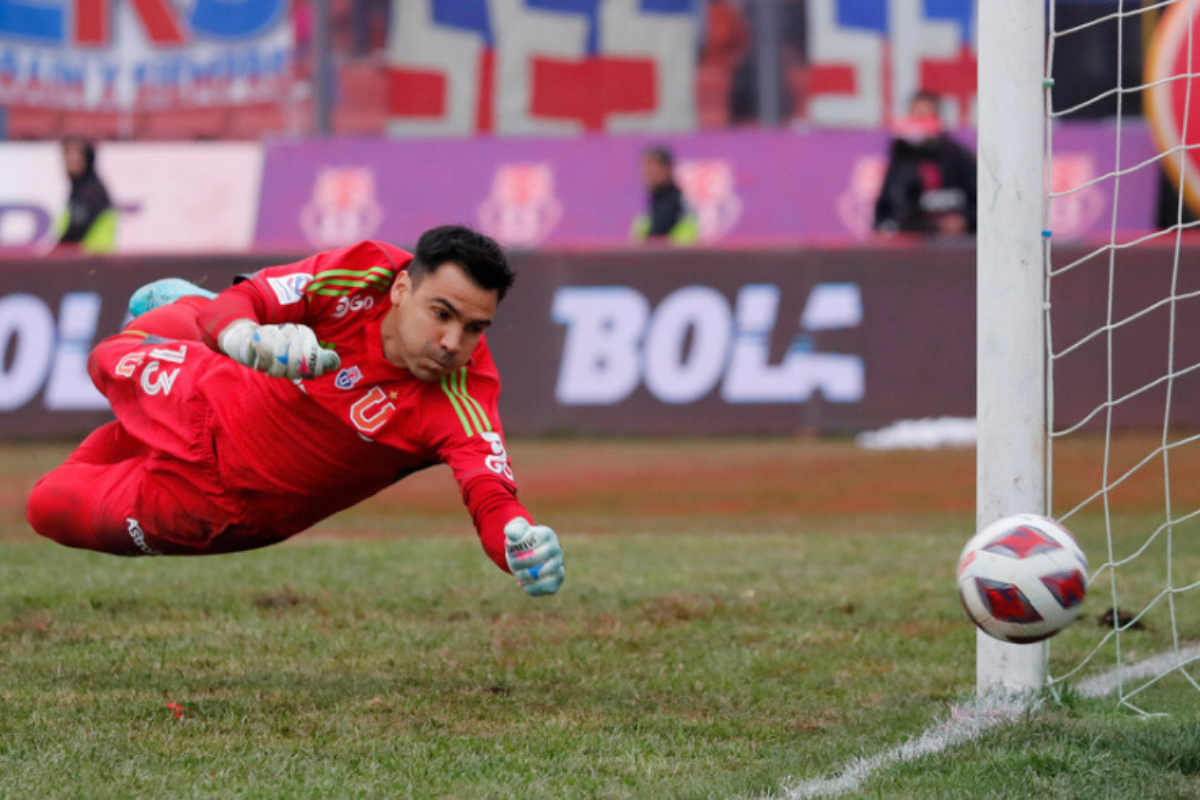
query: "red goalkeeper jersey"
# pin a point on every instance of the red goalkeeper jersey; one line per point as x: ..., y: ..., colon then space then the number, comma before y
x: 337, y: 439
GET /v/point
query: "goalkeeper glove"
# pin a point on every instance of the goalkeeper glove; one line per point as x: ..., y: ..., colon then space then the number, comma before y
x: 282, y: 351
x: 534, y: 556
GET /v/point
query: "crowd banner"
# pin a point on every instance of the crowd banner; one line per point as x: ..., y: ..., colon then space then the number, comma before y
x: 745, y: 187
x: 766, y: 342
x: 170, y: 197
x: 149, y: 55
x: 535, y: 67
x: 866, y: 60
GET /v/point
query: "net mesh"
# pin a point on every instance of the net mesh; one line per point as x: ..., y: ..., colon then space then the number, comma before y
x: 1123, y: 341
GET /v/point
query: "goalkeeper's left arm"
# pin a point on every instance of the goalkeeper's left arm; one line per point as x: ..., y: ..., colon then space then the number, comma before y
x: 532, y: 553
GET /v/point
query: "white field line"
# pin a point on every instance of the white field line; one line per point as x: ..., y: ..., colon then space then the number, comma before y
x: 1101, y: 685
x: 968, y: 722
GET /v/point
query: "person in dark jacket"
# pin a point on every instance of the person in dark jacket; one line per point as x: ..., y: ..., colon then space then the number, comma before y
x: 667, y: 218
x: 930, y: 184
x: 89, y: 220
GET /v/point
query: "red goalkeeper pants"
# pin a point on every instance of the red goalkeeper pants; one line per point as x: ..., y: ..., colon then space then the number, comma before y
x: 148, y: 483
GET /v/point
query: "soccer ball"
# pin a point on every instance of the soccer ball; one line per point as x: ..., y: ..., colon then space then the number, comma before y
x: 1022, y: 578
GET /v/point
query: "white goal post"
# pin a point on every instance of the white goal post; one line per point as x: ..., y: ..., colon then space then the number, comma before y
x: 1011, y: 323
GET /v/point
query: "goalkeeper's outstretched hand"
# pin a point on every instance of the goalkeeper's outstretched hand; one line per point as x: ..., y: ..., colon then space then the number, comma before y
x: 534, y: 556
x: 282, y: 351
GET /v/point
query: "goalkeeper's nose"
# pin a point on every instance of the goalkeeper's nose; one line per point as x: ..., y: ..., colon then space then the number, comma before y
x: 451, y: 341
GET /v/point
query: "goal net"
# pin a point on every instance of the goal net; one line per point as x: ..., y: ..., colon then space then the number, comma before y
x: 1123, y: 346
x: 1117, y: 348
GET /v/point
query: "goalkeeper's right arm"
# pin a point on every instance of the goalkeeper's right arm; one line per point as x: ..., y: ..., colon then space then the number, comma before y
x: 233, y: 325
x: 282, y: 351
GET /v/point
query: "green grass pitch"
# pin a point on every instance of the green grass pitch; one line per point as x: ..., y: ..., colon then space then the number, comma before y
x: 738, y: 617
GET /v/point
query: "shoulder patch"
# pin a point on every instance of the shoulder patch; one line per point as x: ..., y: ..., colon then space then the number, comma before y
x: 289, y: 289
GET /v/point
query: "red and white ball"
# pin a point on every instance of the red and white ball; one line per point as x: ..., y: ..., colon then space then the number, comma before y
x: 1022, y: 578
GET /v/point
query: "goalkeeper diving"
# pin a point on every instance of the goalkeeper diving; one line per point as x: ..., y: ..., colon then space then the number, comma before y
x: 244, y: 418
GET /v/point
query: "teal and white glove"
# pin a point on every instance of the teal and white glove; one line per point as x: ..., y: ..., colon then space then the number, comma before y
x: 534, y: 556
x: 282, y: 351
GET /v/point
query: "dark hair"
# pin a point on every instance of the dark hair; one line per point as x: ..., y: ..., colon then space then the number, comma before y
x: 660, y: 154
x: 86, y: 148
x: 480, y: 256
x: 928, y: 96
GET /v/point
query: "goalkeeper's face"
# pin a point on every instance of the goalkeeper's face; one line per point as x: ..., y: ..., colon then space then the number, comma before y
x: 435, y: 325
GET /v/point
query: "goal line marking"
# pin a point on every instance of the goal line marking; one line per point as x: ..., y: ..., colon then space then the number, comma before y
x: 1101, y: 685
x: 968, y: 722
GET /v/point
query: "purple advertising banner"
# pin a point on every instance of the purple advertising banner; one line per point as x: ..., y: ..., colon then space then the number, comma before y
x: 746, y: 187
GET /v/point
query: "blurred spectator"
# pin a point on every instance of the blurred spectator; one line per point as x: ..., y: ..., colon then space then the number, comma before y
x: 724, y: 46
x: 930, y: 184
x: 89, y: 221
x: 369, y: 24
x: 726, y: 34
x: 666, y: 218
x: 302, y: 33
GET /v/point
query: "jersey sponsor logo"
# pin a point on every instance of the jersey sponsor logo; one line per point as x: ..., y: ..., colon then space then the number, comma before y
x: 347, y: 378
x: 497, y: 462
x: 346, y: 305
x: 139, y: 537
x: 289, y: 289
x: 470, y: 413
x: 371, y: 410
